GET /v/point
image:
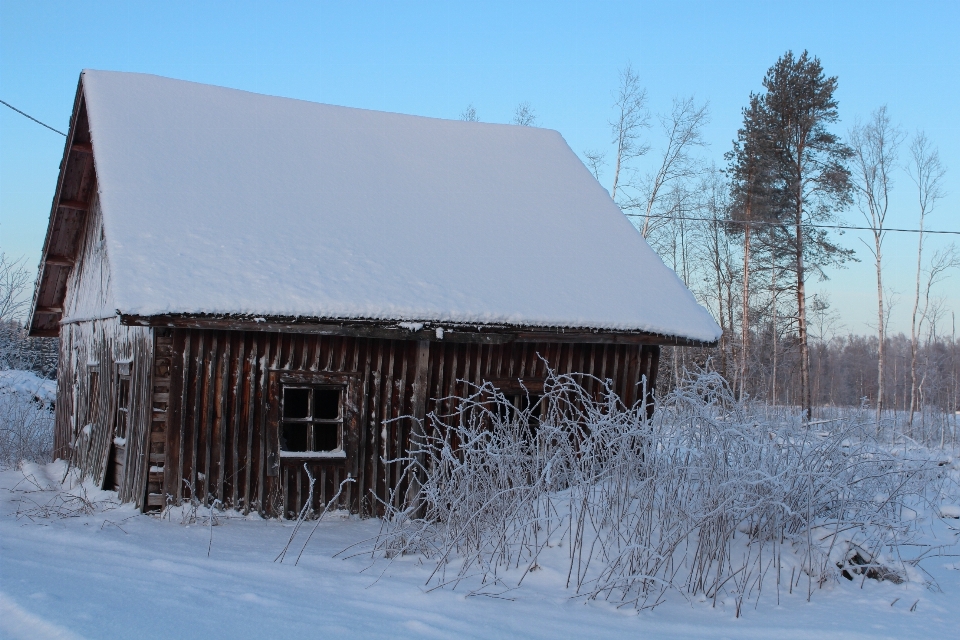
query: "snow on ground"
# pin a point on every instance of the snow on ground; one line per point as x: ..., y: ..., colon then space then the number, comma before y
x: 114, y: 572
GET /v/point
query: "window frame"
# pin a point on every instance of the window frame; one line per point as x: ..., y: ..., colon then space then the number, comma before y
x: 350, y: 415
x: 311, y: 421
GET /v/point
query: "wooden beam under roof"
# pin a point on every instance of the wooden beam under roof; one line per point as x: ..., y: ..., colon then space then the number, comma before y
x: 74, y: 204
x: 49, y: 310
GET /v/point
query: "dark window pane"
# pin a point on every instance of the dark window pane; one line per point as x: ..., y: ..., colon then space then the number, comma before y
x: 296, y: 404
x: 326, y: 436
x: 326, y: 404
x: 124, y: 401
x: 293, y: 437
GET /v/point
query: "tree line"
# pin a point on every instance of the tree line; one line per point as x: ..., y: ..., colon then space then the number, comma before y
x: 747, y: 237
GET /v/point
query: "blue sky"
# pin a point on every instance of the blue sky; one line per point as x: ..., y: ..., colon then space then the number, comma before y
x: 434, y: 59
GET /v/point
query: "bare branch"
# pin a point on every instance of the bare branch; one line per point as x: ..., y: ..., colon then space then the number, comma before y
x: 631, y: 119
x: 524, y: 115
x: 469, y: 114
x: 14, y: 284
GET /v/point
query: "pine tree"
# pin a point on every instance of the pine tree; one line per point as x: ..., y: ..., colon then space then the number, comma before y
x: 810, y: 181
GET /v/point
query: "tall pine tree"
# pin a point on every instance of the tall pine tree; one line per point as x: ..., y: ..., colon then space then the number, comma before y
x: 808, y: 178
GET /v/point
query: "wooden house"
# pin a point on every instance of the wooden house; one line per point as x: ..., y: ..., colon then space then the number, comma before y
x: 244, y: 285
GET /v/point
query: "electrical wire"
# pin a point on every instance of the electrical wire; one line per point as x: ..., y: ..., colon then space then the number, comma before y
x: 641, y: 215
x: 790, y: 224
x: 27, y: 115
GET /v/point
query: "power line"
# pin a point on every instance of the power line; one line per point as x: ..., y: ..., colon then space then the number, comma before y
x: 789, y: 224
x: 640, y: 215
x: 27, y: 115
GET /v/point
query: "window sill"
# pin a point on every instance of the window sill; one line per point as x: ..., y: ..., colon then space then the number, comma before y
x: 313, y: 455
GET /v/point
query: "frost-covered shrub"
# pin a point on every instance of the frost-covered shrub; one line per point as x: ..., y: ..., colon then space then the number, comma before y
x: 706, y: 498
x: 19, y: 351
x: 26, y: 418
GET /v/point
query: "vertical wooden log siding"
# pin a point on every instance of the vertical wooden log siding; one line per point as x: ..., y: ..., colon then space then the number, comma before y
x: 93, y: 340
x: 219, y: 400
x: 84, y: 428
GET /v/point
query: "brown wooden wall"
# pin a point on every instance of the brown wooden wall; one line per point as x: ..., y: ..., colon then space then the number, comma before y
x: 218, y: 438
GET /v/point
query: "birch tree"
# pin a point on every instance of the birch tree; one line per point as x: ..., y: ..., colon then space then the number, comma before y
x: 927, y: 172
x: 630, y: 121
x: 683, y: 128
x: 875, y: 147
x: 14, y: 283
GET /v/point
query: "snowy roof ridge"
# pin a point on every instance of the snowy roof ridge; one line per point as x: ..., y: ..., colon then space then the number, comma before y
x: 220, y: 201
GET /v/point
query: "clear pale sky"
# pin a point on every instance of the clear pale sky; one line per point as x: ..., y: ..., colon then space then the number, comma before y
x: 435, y: 59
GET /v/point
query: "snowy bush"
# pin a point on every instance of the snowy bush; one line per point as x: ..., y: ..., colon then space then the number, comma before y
x: 26, y: 418
x: 705, y: 499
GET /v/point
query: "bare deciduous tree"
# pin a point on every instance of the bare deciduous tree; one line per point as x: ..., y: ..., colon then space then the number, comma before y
x: 875, y: 146
x: 631, y: 119
x: 926, y: 171
x: 683, y: 127
x: 524, y: 115
x: 14, y: 282
x: 469, y: 114
x: 595, y: 160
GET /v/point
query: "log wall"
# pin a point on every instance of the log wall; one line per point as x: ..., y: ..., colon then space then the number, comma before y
x: 221, y: 437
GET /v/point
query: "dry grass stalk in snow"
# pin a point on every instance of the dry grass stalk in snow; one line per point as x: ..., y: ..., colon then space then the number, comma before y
x: 705, y: 499
x: 40, y: 496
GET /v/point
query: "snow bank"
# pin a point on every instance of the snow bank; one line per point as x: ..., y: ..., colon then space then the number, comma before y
x: 221, y: 201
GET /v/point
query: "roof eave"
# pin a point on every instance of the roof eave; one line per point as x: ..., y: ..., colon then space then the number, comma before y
x: 409, y: 330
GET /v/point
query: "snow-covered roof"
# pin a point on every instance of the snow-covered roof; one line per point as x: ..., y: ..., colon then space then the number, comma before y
x: 221, y: 201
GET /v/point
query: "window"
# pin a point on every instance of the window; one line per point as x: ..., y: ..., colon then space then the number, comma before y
x: 122, y: 419
x: 311, y: 419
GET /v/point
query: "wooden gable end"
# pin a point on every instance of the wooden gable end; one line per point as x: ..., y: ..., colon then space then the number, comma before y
x: 76, y: 187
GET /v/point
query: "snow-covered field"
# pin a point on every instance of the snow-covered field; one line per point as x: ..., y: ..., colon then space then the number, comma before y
x: 75, y: 564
